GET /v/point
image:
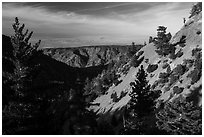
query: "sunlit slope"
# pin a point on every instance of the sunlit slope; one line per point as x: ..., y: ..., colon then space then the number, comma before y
x: 191, y: 34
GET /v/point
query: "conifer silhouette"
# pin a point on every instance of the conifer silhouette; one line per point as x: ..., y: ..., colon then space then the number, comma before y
x: 141, y: 105
x: 19, y: 109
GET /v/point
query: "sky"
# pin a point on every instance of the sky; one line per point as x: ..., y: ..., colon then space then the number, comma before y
x: 71, y: 24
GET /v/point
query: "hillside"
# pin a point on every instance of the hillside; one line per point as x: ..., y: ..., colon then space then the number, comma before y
x: 54, y: 78
x: 188, y: 40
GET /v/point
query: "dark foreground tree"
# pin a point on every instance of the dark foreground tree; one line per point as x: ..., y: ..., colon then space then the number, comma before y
x: 19, y: 110
x: 180, y: 117
x: 72, y: 116
x: 31, y: 107
x: 141, y: 105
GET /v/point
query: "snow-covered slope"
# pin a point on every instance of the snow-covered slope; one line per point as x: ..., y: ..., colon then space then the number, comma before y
x: 192, y: 33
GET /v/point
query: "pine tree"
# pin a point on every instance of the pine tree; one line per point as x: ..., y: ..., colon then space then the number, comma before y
x: 162, y: 42
x: 18, y: 110
x: 180, y: 117
x: 23, y: 52
x: 142, y: 98
x: 80, y: 116
x: 141, y: 105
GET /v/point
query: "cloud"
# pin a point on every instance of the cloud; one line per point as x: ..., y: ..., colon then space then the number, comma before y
x: 43, y: 15
x: 65, y: 22
x: 104, y: 8
x: 124, y: 27
x: 40, y: 14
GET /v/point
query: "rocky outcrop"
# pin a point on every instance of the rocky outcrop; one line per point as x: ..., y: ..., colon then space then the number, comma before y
x: 87, y: 56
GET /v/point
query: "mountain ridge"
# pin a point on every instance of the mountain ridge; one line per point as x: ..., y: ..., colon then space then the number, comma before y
x: 88, y: 56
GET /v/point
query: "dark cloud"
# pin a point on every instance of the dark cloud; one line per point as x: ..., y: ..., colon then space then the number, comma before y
x: 93, y: 8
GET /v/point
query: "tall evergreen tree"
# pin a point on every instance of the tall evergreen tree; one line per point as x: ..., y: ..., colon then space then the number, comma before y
x: 23, y: 52
x: 142, y: 97
x: 180, y: 117
x: 19, y: 109
x: 141, y: 105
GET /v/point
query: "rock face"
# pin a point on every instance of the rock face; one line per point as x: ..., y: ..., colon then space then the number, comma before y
x: 87, y: 56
